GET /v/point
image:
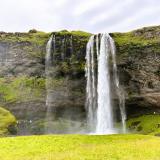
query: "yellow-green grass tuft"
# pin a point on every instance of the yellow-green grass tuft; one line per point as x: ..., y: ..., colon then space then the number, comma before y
x: 7, y: 122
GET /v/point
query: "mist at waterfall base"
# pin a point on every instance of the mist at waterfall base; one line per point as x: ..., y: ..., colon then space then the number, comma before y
x: 102, y: 89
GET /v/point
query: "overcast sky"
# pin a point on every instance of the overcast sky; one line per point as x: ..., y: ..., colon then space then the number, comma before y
x: 88, y: 15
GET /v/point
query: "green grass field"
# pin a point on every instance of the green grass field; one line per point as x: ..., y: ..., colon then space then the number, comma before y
x: 80, y: 147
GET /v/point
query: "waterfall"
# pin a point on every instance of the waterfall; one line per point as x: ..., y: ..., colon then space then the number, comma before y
x: 91, y: 85
x: 104, y: 110
x: 101, y: 119
x: 50, y: 48
x: 119, y: 89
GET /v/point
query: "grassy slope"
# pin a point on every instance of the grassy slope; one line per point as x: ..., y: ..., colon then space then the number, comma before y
x: 80, y: 147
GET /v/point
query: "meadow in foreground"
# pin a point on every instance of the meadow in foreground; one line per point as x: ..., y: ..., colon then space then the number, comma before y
x: 80, y: 147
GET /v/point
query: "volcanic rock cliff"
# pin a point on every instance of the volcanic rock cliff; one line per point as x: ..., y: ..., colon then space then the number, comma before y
x: 22, y: 74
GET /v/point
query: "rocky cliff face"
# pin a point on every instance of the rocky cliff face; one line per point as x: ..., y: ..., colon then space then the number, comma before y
x: 139, y: 65
x: 22, y: 82
x: 22, y: 75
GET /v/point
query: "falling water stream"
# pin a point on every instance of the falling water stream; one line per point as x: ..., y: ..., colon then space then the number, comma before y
x: 50, y: 48
x: 91, y: 100
x: 101, y: 119
x: 119, y: 89
x: 104, y: 110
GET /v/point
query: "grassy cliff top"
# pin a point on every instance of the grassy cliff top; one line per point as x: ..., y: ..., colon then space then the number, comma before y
x: 132, y: 43
x: 137, y: 43
x: 74, y: 33
x: 38, y: 37
x: 143, y: 36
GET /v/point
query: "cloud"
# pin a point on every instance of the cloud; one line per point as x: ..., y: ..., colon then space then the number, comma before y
x: 93, y: 16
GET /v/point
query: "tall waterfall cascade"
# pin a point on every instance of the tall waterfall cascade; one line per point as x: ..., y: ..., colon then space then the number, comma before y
x: 99, y: 99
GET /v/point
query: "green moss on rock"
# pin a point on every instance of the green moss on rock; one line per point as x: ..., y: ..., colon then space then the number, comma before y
x: 146, y: 124
x: 21, y: 88
x: 7, y: 122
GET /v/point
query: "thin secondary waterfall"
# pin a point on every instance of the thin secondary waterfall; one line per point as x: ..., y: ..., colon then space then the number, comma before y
x: 50, y: 48
x: 101, y: 118
x: 119, y: 89
x: 48, y: 65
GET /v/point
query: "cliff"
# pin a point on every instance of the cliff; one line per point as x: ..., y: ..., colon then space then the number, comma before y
x: 138, y: 57
x: 22, y: 74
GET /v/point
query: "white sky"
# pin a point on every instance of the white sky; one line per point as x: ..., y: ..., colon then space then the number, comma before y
x: 88, y: 15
